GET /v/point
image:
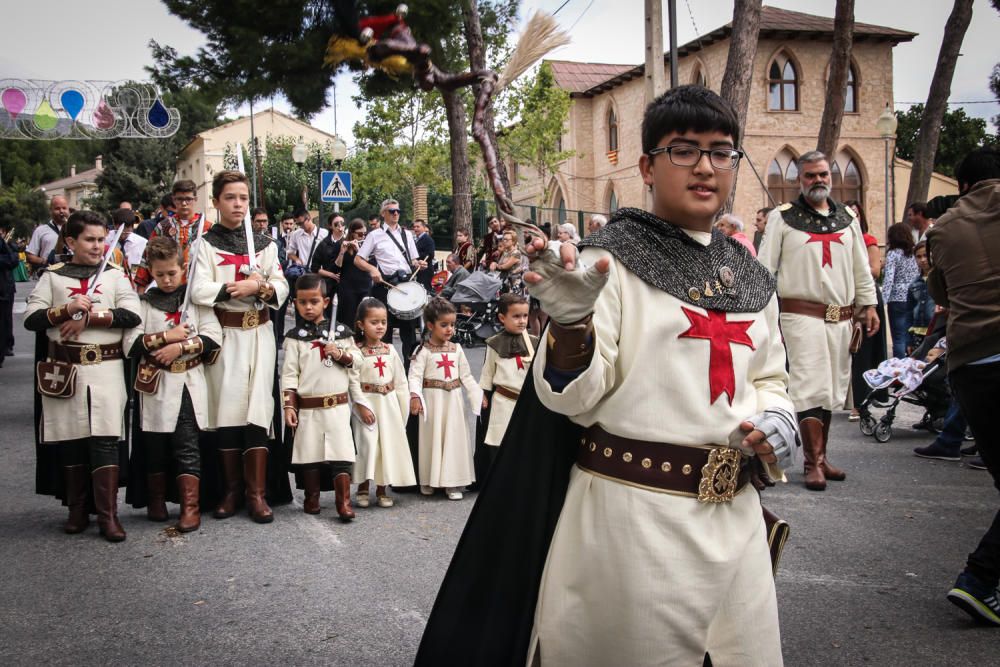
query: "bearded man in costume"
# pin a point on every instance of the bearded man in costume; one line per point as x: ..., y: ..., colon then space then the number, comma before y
x: 815, y: 248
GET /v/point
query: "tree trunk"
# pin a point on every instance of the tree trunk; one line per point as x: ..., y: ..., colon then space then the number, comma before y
x: 461, y: 187
x: 836, y: 84
x: 477, y: 62
x: 742, y: 49
x: 937, y: 101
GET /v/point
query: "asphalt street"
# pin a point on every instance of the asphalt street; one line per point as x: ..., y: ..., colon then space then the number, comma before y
x: 862, y: 581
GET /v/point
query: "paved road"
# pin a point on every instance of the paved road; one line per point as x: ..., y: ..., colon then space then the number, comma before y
x: 862, y: 581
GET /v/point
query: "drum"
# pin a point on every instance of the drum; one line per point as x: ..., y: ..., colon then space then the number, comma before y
x: 407, y: 300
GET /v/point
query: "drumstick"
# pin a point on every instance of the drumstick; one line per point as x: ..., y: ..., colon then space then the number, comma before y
x: 388, y: 284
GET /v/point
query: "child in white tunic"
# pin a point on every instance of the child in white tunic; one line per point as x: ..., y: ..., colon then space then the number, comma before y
x: 381, y: 405
x: 438, y: 371
x: 314, y: 385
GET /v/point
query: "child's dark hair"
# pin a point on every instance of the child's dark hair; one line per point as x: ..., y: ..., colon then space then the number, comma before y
x: 184, y: 185
x: 367, y: 305
x: 162, y: 248
x: 510, y: 299
x: 981, y: 164
x: 224, y: 178
x: 80, y: 219
x: 436, y: 308
x: 688, y: 108
x: 311, y: 281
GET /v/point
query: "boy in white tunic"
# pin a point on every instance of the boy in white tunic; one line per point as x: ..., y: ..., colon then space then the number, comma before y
x: 172, y: 345
x: 243, y: 285
x: 314, y: 389
x: 438, y: 372
x: 664, y: 352
x: 82, y: 378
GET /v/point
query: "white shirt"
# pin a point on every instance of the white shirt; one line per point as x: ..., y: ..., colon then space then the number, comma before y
x: 43, y: 240
x: 300, y: 242
x: 134, y: 246
x: 386, y: 251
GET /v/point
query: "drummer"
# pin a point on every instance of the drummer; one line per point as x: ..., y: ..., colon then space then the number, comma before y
x: 395, y: 261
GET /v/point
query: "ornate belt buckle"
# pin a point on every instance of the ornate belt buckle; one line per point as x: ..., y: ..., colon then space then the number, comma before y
x: 329, y: 401
x: 178, y: 366
x: 251, y: 319
x: 832, y: 314
x: 90, y: 354
x: 720, y: 476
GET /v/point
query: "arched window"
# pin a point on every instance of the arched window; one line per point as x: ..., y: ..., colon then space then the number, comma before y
x: 698, y: 77
x: 851, y: 99
x: 846, y: 181
x: 612, y: 130
x: 560, y: 207
x: 613, y: 202
x: 783, y: 177
x: 782, y: 85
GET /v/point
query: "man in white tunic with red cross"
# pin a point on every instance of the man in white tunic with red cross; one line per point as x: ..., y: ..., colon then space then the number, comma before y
x: 815, y: 248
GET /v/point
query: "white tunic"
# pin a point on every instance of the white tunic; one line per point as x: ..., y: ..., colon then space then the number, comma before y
x: 160, y: 410
x: 638, y: 577
x: 323, y: 434
x: 445, y: 449
x: 100, y: 386
x: 241, y: 382
x: 509, y: 373
x: 383, y: 450
x: 832, y: 271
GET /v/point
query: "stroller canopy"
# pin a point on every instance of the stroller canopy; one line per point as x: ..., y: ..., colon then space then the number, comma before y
x: 477, y: 288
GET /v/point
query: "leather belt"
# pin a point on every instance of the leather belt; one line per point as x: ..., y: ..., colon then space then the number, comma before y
x: 242, y: 319
x: 712, y: 474
x: 177, y: 366
x: 508, y: 393
x: 829, y: 313
x: 327, y: 401
x: 85, y: 354
x: 447, y: 385
x: 370, y: 388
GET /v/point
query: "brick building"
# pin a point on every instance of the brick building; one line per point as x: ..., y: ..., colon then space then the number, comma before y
x: 786, y: 105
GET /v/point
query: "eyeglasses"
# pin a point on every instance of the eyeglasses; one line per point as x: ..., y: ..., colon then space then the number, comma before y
x: 689, y: 156
x: 184, y: 200
x: 392, y: 211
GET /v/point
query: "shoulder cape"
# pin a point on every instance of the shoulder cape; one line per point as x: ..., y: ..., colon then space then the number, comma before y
x: 508, y: 345
x: 309, y: 331
x: 235, y: 240
x: 801, y: 216
x: 168, y: 303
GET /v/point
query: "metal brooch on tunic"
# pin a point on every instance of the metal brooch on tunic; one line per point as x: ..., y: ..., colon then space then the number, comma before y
x: 726, y: 276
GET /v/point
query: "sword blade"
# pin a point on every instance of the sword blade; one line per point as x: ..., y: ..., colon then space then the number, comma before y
x: 112, y: 244
x: 192, y: 258
x: 247, y: 223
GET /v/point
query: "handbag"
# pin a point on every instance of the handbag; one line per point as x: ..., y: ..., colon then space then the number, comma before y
x: 298, y: 270
x: 56, y: 379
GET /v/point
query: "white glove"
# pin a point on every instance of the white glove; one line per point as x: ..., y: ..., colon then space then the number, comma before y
x: 567, y: 296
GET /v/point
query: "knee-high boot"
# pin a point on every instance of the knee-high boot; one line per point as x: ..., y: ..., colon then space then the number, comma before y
x: 77, y: 479
x: 232, y: 478
x: 255, y: 476
x: 342, y: 487
x: 829, y: 471
x: 310, y: 479
x: 812, y: 450
x: 156, y: 496
x: 188, y: 490
x: 106, y: 500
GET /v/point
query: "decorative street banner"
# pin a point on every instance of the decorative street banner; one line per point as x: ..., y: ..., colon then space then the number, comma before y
x: 37, y: 109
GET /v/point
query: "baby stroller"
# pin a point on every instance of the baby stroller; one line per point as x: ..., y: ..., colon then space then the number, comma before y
x: 477, y: 295
x: 906, y: 380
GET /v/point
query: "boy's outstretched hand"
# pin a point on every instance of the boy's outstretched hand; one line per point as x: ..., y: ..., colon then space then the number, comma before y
x: 567, y: 291
x: 756, y: 441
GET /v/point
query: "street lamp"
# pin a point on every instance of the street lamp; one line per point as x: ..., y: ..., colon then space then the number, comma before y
x: 299, y: 154
x: 886, y: 127
x: 338, y: 151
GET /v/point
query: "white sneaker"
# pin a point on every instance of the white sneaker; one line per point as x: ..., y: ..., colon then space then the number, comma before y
x: 384, y: 501
x: 426, y: 490
x: 362, y: 500
x: 454, y: 493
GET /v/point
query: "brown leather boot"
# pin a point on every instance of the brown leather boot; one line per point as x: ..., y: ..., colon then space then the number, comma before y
x: 187, y: 489
x: 342, y: 487
x: 232, y: 479
x: 812, y: 450
x: 106, y: 500
x: 829, y: 471
x: 255, y: 475
x: 310, y: 478
x: 77, y: 479
x: 156, y: 497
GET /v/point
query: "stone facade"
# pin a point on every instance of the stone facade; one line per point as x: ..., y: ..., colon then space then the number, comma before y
x: 592, y: 180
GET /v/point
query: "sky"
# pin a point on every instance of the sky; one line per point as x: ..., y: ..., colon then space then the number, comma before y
x: 78, y: 43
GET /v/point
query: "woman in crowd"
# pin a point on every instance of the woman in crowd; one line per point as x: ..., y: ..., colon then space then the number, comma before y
x: 900, y: 272
x: 509, y: 264
x: 354, y: 283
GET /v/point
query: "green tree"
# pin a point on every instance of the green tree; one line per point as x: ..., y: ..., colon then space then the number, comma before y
x: 22, y: 208
x: 539, y: 109
x: 960, y: 134
x: 34, y: 162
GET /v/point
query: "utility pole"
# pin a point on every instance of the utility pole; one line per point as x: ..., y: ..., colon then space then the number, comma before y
x: 672, y: 20
x: 655, y: 83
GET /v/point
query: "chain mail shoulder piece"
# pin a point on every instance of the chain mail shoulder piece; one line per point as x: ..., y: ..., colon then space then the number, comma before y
x: 79, y: 271
x: 801, y: 216
x: 309, y: 331
x: 508, y: 345
x: 168, y: 303
x: 721, y: 276
x: 234, y: 240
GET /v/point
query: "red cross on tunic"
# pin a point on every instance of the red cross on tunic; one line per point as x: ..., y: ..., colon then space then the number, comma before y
x: 82, y: 289
x: 826, y: 240
x: 720, y: 334
x: 447, y: 364
x: 322, y: 348
x: 520, y: 362
x: 380, y: 366
x: 233, y: 260
x: 174, y: 317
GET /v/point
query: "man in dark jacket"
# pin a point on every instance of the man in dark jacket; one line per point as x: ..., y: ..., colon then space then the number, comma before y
x: 964, y: 246
x: 8, y: 262
x: 425, y: 251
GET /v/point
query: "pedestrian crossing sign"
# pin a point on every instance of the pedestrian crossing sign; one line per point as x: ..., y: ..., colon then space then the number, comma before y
x: 335, y: 186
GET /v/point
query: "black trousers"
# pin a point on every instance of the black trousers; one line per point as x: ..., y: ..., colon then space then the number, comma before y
x: 6, y: 327
x: 347, y: 305
x: 182, y: 444
x: 242, y: 437
x: 407, y: 328
x: 98, y: 452
x: 977, y: 388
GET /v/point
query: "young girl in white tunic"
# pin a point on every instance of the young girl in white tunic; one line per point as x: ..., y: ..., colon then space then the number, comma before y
x: 380, y: 399
x: 438, y: 370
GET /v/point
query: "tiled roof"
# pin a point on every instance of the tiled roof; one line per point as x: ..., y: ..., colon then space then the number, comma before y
x: 88, y: 176
x: 774, y: 22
